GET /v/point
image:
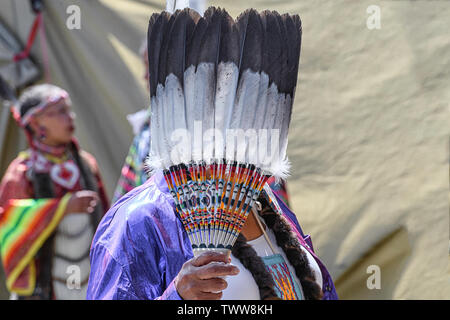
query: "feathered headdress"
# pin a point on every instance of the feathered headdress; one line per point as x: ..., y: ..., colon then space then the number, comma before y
x: 221, y: 101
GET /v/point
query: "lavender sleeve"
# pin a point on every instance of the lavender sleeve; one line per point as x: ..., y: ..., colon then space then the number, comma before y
x: 114, y: 284
x: 139, y: 248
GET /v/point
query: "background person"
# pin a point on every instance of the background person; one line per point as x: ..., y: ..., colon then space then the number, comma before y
x: 51, y: 200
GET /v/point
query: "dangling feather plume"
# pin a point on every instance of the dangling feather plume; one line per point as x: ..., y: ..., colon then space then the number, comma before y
x: 221, y: 95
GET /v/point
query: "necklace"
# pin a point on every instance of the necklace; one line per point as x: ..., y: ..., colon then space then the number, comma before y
x: 257, y: 218
x: 56, y: 162
x: 57, y: 151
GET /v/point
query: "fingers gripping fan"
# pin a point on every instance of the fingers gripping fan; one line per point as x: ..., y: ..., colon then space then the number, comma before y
x: 221, y: 99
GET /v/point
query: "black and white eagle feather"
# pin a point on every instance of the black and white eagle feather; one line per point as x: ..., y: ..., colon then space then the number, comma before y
x: 211, y: 74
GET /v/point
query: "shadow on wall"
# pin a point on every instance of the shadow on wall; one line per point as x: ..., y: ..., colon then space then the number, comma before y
x: 385, y: 260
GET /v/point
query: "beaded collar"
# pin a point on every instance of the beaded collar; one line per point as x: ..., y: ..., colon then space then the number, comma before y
x: 56, y: 151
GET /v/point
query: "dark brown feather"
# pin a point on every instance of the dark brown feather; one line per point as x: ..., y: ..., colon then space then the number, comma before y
x: 156, y: 30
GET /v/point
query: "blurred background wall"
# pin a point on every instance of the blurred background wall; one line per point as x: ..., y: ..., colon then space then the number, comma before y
x: 369, y: 139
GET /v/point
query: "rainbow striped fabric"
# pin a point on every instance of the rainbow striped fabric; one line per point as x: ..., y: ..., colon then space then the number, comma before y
x: 24, y: 226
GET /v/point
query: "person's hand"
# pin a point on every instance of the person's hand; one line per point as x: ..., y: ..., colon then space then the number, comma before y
x: 82, y: 202
x: 199, y: 278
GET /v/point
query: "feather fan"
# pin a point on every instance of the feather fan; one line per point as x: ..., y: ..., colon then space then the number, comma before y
x: 221, y: 94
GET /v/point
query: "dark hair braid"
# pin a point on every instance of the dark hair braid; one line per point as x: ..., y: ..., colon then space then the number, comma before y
x: 290, y: 245
x: 252, y: 262
x: 89, y: 182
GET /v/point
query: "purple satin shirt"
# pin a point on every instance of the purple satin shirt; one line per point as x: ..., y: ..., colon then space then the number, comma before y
x: 140, y: 246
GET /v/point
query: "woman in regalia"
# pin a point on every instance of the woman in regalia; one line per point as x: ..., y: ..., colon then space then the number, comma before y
x: 208, y: 75
x: 51, y: 201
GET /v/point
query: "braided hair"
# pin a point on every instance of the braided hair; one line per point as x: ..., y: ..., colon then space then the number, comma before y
x: 290, y: 245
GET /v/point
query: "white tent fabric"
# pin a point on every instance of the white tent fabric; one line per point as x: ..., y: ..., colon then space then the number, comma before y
x: 369, y: 140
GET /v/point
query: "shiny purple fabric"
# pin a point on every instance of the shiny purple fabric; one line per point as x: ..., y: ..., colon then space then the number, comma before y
x: 140, y: 246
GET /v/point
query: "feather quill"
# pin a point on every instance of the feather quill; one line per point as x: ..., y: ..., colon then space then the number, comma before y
x: 194, y: 102
x: 208, y: 56
x: 227, y: 80
x: 155, y: 36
